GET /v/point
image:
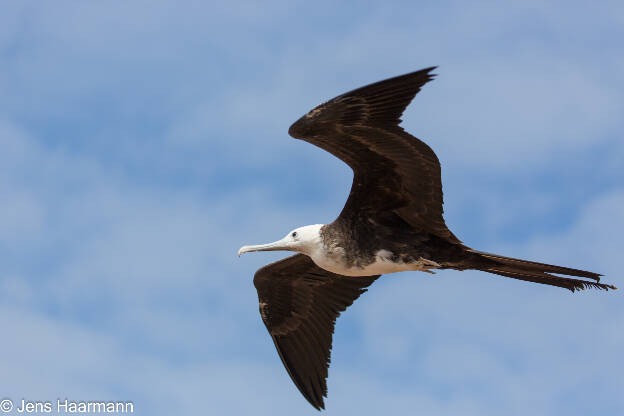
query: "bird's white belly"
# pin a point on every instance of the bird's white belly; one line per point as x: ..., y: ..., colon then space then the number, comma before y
x: 383, y: 264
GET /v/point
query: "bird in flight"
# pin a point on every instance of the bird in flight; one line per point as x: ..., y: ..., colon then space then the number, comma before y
x: 392, y: 222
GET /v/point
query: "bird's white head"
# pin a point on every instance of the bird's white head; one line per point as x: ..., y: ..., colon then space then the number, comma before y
x: 302, y: 240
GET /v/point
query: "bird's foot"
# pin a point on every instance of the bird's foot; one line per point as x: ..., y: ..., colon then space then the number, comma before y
x: 428, y: 264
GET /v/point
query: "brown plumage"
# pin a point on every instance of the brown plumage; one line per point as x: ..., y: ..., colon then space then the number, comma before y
x: 393, y: 170
x: 392, y: 221
x: 299, y: 304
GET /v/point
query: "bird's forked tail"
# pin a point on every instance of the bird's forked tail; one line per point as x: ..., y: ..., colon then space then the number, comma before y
x: 531, y: 271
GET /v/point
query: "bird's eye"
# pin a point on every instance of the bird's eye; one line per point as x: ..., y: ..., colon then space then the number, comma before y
x: 294, y: 234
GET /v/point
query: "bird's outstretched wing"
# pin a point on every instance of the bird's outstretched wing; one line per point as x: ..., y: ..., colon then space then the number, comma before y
x: 393, y: 171
x: 299, y: 304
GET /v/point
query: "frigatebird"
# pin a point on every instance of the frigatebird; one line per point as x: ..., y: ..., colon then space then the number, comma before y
x: 392, y: 222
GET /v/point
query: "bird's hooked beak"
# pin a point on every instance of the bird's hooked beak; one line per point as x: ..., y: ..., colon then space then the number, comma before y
x: 282, y: 244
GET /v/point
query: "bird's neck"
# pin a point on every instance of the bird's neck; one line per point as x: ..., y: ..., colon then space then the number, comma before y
x: 327, y: 252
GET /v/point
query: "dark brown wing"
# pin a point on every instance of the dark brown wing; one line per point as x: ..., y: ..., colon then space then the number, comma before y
x: 299, y: 304
x: 392, y: 169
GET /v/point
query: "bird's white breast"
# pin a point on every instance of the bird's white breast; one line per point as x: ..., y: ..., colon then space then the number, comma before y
x: 382, y: 264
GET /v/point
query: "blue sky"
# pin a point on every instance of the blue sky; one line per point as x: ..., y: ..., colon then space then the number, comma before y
x: 142, y: 143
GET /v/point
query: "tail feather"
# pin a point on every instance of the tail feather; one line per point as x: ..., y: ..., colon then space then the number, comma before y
x: 531, y: 271
x: 549, y: 279
x: 538, y: 267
